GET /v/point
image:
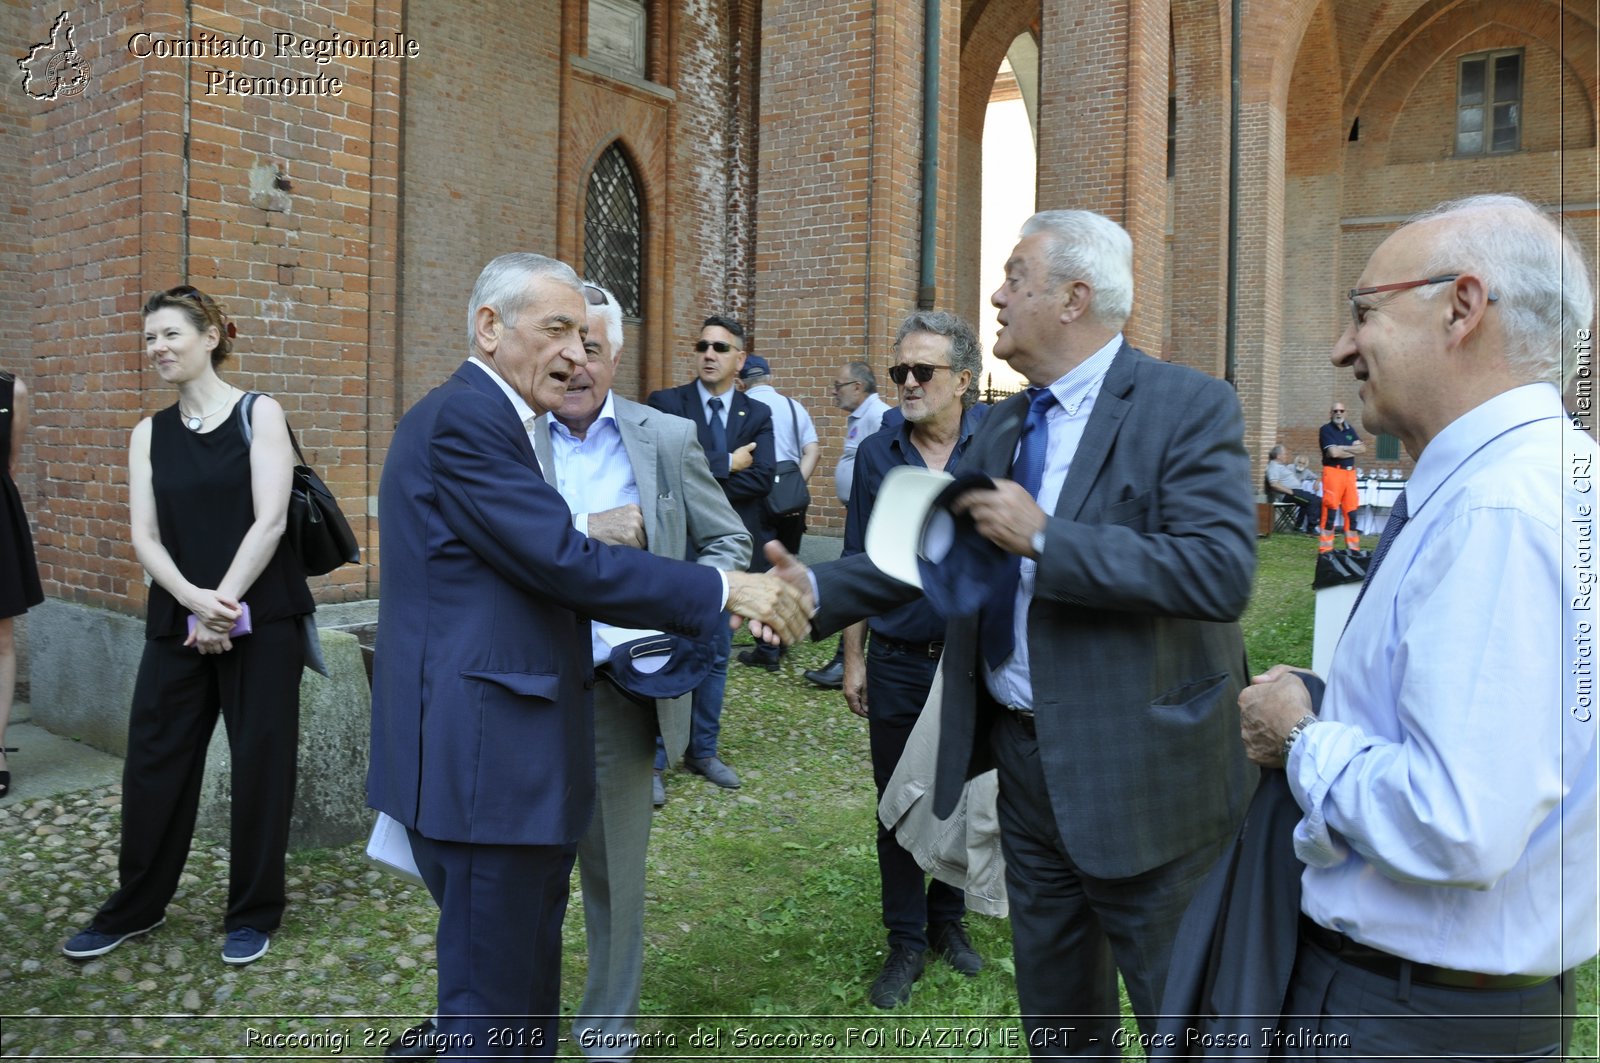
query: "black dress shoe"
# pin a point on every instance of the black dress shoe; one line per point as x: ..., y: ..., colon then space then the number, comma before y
x: 419, y: 1042
x: 901, y: 970
x: 950, y: 941
x: 828, y: 677
x: 761, y: 659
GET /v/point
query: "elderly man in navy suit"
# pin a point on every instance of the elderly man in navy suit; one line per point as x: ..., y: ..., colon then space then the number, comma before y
x: 1102, y: 677
x: 482, y: 737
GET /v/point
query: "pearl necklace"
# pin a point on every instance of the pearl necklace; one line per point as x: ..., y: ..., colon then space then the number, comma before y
x: 195, y: 422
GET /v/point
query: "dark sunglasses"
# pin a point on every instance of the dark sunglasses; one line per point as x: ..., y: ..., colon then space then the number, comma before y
x: 594, y: 295
x: 713, y: 345
x: 922, y: 371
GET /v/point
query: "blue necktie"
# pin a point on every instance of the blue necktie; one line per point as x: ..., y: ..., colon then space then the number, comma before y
x: 995, y: 629
x: 719, y: 434
x: 1391, y: 529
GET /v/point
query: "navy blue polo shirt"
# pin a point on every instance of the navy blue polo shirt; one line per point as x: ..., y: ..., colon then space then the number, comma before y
x: 1334, y: 436
x: 884, y: 450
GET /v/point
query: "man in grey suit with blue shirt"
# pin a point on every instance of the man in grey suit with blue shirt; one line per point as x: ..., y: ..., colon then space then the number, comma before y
x: 633, y: 476
x: 1101, y: 676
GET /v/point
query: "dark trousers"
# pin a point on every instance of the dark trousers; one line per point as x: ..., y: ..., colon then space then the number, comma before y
x: 788, y: 530
x: 499, y: 944
x: 176, y: 700
x: 897, y: 687
x: 1072, y: 932
x: 1335, y: 1008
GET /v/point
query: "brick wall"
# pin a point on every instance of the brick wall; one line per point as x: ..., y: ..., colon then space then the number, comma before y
x: 129, y: 204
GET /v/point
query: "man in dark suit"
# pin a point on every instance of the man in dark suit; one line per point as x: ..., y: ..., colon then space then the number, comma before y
x: 736, y: 434
x: 634, y: 476
x: 1102, y: 681
x: 482, y: 741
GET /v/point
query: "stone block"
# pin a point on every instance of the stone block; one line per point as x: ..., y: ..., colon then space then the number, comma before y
x: 82, y: 663
x: 330, y: 806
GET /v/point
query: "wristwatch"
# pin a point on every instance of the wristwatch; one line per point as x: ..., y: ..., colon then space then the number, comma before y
x: 1295, y: 732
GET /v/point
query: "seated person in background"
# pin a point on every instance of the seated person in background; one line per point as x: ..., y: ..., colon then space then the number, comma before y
x: 1307, y: 475
x: 1283, y: 483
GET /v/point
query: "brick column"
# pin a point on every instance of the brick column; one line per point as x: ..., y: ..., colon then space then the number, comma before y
x: 838, y: 211
x: 1103, y: 131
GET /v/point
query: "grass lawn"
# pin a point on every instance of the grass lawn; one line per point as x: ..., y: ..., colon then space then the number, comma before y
x: 763, y: 929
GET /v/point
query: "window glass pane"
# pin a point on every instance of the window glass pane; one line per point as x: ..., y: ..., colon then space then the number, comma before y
x: 1472, y: 73
x: 1388, y: 448
x: 1507, y: 78
x: 1506, y: 121
x: 1469, y: 120
x: 1469, y: 143
x: 613, y: 230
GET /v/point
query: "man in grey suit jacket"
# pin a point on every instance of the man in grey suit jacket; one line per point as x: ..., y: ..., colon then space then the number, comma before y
x: 1102, y: 683
x: 604, y: 449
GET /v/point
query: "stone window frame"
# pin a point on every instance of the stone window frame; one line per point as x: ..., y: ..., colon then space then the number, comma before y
x: 1488, y: 102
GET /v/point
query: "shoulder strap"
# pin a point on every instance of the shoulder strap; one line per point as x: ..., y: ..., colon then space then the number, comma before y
x: 246, y: 407
x: 794, y: 425
x: 247, y: 412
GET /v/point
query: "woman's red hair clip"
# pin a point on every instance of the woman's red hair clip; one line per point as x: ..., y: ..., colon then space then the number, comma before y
x: 233, y: 333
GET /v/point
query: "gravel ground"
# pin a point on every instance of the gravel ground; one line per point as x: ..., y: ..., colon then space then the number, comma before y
x: 352, y: 963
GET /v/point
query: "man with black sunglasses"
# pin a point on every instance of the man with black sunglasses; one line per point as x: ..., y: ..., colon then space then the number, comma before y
x: 736, y: 434
x: 888, y: 682
x: 1101, y: 677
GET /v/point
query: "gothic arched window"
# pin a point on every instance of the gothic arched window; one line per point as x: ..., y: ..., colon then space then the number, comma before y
x: 613, y: 230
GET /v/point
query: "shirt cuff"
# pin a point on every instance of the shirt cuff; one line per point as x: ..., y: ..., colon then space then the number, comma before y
x: 723, y: 576
x: 581, y: 522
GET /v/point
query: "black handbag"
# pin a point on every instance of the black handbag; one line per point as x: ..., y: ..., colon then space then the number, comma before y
x: 316, y: 530
x: 789, y: 494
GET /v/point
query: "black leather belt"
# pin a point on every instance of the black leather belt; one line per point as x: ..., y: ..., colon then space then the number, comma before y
x: 1390, y: 966
x: 1024, y: 718
x: 930, y: 650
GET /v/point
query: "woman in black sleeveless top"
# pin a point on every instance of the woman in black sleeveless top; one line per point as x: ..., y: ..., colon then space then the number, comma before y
x: 208, y: 515
x: 19, y: 575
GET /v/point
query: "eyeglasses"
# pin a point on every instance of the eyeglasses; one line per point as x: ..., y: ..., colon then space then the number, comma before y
x: 1358, y: 313
x: 720, y: 346
x: 1337, y: 411
x: 840, y: 385
x: 594, y: 295
x: 922, y: 371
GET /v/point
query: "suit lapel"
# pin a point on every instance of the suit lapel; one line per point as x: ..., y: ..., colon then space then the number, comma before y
x: 1002, y: 428
x: 477, y: 378
x: 738, y: 419
x: 1110, y: 410
x: 641, y: 447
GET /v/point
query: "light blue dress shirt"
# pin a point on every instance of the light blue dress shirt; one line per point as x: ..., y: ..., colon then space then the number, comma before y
x: 1075, y: 392
x: 1449, y: 786
x: 593, y: 474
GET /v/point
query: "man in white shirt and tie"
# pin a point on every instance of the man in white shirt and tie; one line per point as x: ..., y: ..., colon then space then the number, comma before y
x: 1448, y: 778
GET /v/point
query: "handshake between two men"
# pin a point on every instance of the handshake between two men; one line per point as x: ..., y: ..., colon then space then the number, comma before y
x: 778, y: 604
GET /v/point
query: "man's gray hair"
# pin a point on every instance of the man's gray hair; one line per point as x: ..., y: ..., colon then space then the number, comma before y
x: 862, y: 374
x: 611, y: 314
x: 1535, y: 270
x: 1092, y: 248
x: 503, y: 286
x: 964, y: 350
